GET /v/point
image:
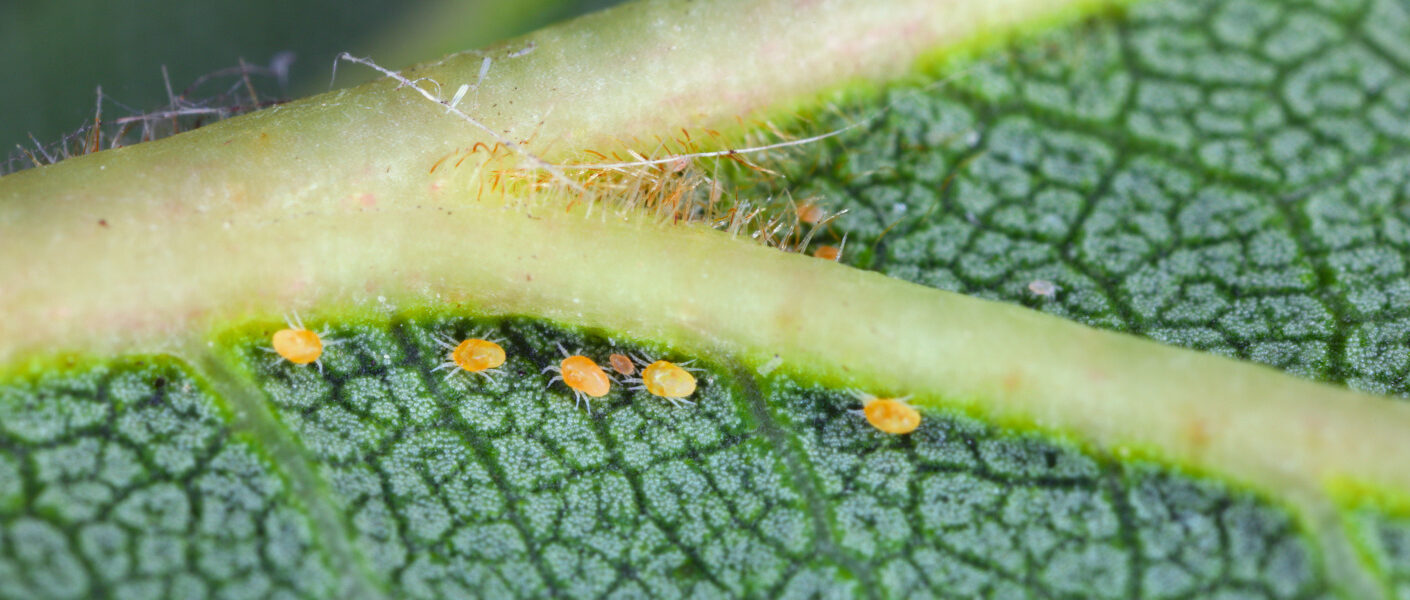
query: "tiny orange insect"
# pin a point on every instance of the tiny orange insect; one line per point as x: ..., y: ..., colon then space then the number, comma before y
x: 810, y: 213
x: 582, y: 375
x: 665, y: 379
x: 829, y: 252
x: 622, y: 364
x: 473, y: 355
x: 297, y: 344
x: 891, y: 415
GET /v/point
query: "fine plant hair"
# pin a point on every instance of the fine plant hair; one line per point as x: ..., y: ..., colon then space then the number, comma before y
x: 685, y: 179
x: 680, y: 180
x: 682, y: 185
x: 451, y: 108
x: 212, y: 97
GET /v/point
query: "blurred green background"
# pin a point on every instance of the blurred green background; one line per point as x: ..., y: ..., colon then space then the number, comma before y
x: 53, y: 54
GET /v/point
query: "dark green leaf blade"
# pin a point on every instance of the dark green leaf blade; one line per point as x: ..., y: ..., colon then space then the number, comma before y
x: 1230, y: 177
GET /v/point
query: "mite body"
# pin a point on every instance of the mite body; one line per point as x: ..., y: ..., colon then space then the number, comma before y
x: 665, y: 379
x: 891, y: 415
x: 473, y: 355
x: 582, y: 375
x: 622, y: 365
x: 297, y: 344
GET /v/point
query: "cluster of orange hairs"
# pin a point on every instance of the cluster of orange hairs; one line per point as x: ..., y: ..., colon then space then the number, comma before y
x: 678, y: 182
x: 683, y: 185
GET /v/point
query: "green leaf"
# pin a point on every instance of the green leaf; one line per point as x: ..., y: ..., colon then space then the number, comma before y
x: 1164, y: 168
x: 1229, y: 177
x: 444, y: 486
x: 127, y: 480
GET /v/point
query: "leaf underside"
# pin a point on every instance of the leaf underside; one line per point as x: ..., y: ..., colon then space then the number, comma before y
x: 132, y: 479
x: 1228, y: 176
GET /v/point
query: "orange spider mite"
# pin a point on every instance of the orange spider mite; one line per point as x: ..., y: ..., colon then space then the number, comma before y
x: 891, y: 415
x: 810, y: 213
x: 622, y: 364
x: 583, y: 376
x: 297, y: 344
x: 832, y: 253
x: 474, y: 355
x: 665, y: 379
